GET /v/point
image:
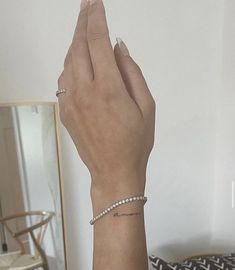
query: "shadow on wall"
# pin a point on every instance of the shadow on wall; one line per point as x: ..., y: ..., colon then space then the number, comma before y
x: 179, y: 251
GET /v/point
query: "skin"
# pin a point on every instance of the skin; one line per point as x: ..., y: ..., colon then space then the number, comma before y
x: 109, y: 113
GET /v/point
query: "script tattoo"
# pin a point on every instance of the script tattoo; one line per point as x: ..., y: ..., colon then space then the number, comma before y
x: 130, y: 214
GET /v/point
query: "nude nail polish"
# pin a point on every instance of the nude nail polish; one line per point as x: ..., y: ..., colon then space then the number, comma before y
x: 84, y: 4
x: 123, y: 47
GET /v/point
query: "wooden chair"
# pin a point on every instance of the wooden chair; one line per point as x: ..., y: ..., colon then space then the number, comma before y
x: 22, y: 260
x: 6, y: 259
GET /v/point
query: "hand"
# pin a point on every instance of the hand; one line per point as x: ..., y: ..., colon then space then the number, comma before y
x: 108, y: 110
x: 110, y: 115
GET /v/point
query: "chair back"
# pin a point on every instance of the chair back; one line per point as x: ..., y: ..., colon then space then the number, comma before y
x: 36, y: 231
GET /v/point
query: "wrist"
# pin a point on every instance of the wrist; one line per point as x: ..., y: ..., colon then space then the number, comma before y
x: 108, y: 189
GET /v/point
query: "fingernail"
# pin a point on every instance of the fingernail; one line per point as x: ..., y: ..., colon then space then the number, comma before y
x: 92, y: 2
x: 123, y: 47
x: 83, y: 4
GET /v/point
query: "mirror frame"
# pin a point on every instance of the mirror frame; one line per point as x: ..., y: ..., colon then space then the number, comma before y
x: 59, y: 159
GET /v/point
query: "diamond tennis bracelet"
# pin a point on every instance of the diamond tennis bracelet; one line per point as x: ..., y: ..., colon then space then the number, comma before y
x: 115, y: 205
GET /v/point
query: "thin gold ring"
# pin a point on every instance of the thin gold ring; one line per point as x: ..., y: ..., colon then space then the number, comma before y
x: 60, y: 91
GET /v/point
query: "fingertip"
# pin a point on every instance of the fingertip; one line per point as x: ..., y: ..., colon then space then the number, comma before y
x: 122, y: 55
x: 92, y: 2
x: 100, y: 46
x: 83, y: 5
x: 95, y: 5
x: 122, y: 47
x: 117, y: 49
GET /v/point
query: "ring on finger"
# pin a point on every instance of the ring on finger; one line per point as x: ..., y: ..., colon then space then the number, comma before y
x: 61, y: 91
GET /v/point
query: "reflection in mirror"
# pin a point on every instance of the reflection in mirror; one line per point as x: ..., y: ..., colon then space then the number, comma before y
x: 31, y: 223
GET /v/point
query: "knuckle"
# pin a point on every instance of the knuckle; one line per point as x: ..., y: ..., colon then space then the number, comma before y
x: 93, y: 36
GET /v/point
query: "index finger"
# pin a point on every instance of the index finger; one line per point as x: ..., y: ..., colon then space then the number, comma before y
x: 100, y: 47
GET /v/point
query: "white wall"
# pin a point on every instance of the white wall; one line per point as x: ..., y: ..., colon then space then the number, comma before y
x: 179, y: 45
x: 224, y: 214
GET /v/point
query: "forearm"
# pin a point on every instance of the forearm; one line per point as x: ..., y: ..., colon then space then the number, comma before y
x: 119, y: 236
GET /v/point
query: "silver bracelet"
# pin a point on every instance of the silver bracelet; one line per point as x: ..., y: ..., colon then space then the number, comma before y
x: 115, y: 205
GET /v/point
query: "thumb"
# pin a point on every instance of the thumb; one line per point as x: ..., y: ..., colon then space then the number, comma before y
x: 133, y: 78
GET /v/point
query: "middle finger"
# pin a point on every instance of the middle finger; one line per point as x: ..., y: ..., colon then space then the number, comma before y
x: 81, y: 61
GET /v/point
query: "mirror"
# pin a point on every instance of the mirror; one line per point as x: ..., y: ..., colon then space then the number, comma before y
x: 31, y: 216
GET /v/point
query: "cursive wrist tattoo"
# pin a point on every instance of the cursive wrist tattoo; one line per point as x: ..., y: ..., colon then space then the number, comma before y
x: 126, y: 214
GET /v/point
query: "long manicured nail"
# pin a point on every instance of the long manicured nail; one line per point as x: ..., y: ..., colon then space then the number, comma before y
x: 84, y: 4
x: 123, y: 47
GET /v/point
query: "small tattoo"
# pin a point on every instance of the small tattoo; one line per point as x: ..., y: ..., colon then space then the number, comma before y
x: 120, y: 215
